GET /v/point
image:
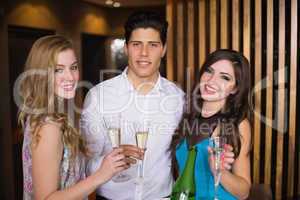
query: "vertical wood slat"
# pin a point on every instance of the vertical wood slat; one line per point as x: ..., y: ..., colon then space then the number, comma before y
x: 180, y: 43
x: 213, y: 25
x: 207, y: 27
x: 246, y: 29
x: 293, y: 95
x: 258, y: 66
x: 269, y: 95
x: 281, y: 99
x: 170, y: 51
x: 224, y: 24
x: 236, y: 25
x: 191, y: 43
x: 202, y: 32
x: 190, y: 49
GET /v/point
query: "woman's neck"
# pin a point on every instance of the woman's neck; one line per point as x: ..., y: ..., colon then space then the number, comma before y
x: 211, y: 108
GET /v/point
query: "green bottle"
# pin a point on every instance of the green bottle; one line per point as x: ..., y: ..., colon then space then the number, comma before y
x: 184, y: 187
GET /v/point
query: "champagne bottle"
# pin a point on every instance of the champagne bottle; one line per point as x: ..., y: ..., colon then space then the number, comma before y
x: 184, y: 187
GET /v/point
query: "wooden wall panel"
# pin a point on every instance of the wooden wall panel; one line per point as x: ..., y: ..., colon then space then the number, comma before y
x: 224, y: 24
x: 170, y: 39
x: 239, y: 24
x: 236, y: 25
x: 191, y: 42
x: 246, y: 29
x: 202, y: 32
x: 293, y: 95
x: 269, y: 94
x: 213, y: 25
x: 258, y: 88
x: 281, y: 99
x: 190, y: 48
x: 180, y: 42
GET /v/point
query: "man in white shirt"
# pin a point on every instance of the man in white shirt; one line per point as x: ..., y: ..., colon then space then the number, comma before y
x: 139, y: 94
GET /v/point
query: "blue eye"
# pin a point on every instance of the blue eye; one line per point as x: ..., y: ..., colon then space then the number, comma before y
x: 226, y: 78
x: 58, y: 70
x: 208, y: 70
x: 74, y: 67
x: 135, y: 44
x: 154, y: 45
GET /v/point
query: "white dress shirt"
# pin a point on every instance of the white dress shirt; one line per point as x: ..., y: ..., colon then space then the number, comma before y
x: 162, y: 108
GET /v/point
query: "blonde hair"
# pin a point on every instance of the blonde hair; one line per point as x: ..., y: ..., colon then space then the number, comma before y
x: 39, y: 102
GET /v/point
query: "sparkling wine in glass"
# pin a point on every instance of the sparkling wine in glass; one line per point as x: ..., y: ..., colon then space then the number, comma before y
x: 217, y: 144
x: 115, y: 137
x: 141, y: 139
x: 113, y: 126
x: 141, y: 136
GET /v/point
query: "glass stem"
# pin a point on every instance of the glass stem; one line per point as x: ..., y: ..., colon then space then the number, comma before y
x: 140, y: 169
x: 216, y: 183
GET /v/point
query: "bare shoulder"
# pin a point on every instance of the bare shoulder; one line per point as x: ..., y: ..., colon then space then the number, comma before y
x: 245, y: 128
x: 49, y: 134
x: 50, y: 127
x: 245, y: 132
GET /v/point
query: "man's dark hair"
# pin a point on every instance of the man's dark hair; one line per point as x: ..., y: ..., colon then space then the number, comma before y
x: 146, y: 19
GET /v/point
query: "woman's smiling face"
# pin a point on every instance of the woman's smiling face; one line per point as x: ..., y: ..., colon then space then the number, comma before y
x: 218, y: 81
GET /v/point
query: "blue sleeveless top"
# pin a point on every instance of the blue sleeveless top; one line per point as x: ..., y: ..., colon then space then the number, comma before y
x: 204, y: 179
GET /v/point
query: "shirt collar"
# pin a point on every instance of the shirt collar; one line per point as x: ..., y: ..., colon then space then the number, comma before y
x: 128, y: 87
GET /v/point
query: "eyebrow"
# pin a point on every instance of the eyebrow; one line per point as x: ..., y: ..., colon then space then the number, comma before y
x: 61, y: 65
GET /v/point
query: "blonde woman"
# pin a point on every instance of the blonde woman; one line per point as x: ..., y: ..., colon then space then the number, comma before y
x: 53, y: 150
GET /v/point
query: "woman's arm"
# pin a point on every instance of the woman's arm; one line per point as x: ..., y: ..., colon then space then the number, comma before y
x: 46, y: 161
x: 238, y: 182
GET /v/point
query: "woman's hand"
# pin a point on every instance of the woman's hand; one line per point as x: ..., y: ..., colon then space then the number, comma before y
x: 227, y: 158
x: 112, y: 163
x: 133, y: 153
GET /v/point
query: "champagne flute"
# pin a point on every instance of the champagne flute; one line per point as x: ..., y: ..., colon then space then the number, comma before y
x: 217, y: 144
x: 141, y: 136
x: 112, y: 124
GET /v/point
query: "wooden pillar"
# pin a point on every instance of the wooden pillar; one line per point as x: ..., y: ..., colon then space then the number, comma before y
x: 202, y: 32
x: 224, y: 24
x: 293, y: 95
x: 236, y: 25
x: 213, y: 25
x: 180, y: 43
x: 191, y: 43
x: 246, y: 29
x: 269, y: 94
x: 258, y: 88
x: 281, y: 100
x: 170, y: 40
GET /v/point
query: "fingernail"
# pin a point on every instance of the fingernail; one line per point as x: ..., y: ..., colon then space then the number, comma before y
x: 222, y: 157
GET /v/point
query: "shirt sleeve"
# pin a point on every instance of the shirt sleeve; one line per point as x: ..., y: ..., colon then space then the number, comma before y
x: 93, y: 130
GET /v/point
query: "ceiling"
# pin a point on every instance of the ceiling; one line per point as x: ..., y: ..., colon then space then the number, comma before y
x: 130, y: 3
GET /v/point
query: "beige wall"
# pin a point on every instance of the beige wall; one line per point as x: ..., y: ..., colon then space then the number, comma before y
x: 118, y: 22
x: 65, y: 18
x: 33, y: 14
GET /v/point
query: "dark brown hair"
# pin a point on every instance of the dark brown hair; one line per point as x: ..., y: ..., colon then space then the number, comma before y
x: 146, y: 19
x: 235, y: 110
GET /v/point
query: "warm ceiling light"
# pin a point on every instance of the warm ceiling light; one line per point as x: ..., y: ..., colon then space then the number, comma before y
x: 117, y: 4
x: 109, y: 2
